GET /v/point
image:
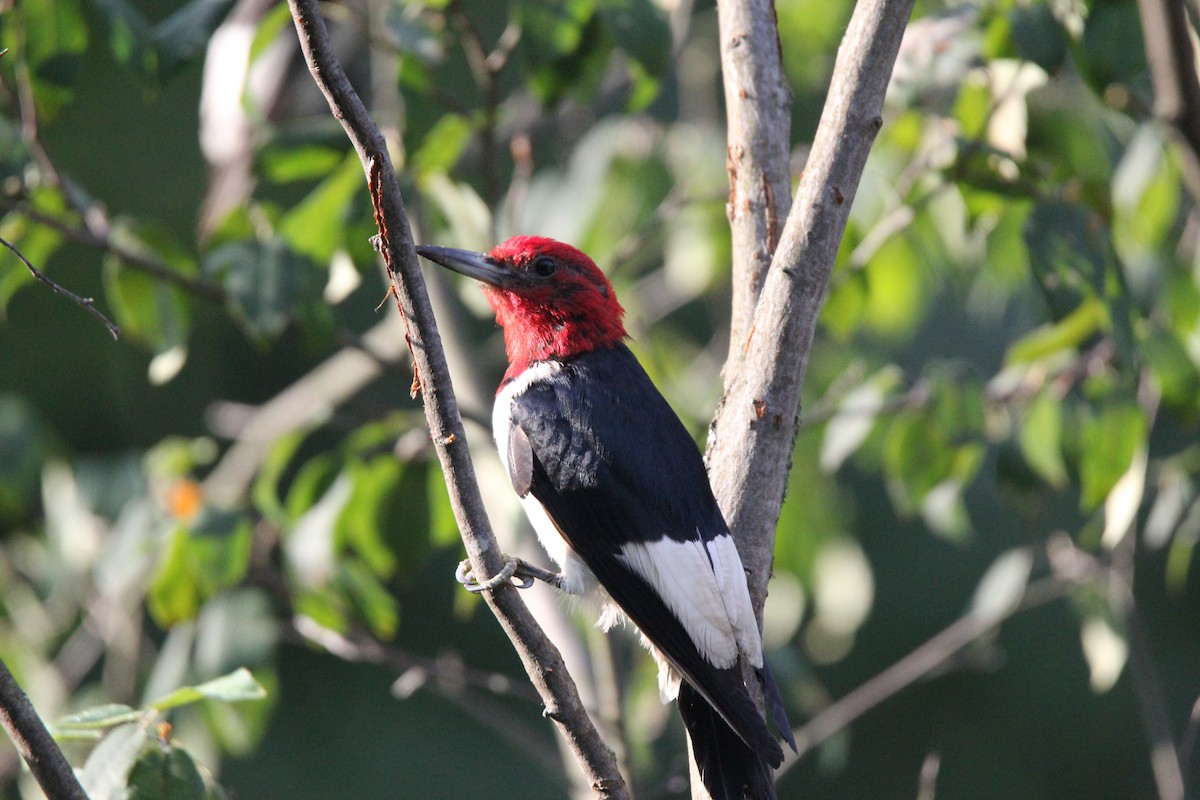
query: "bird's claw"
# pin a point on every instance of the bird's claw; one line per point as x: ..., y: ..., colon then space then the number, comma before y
x: 516, y: 572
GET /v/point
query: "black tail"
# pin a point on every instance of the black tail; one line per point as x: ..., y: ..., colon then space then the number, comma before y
x: 729, y: 769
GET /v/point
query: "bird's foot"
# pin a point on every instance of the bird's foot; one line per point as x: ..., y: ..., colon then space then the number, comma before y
x: 516, y: 571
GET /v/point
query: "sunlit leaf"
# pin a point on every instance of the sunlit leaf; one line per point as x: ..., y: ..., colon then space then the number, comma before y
x: 174, y: 594
x: 1175, y: 492
x: 315, y: 227
x: 284, y: 164
x: 1042, y: 438
x: 104, y: 773
x: 855, y: 418
x: 266, y: 489
x: 1002, y: 587
x: 1124, y: 500
x: 1053, y: 338
x: 51, y: 36
x: 1108, y: 443
x: 443, y: 145
x: 372, y: 600
x: 1106, y: 652
x: 105, y: 716
x: 363, y: 519
x: 236, y: 687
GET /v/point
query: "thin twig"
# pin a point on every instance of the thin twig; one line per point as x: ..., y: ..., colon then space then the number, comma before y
x: 922, y: 661
x: 541, y: 659
x: 131, y: 258
x: 86, y: 303
x: 35, y: 743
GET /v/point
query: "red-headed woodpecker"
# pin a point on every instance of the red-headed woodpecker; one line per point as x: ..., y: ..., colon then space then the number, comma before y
x: 617, y: 492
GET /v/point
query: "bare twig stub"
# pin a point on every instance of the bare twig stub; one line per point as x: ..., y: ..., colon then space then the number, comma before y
x: 753, y: 433
x: 541, y: 659
x: 86, y: 303
x: 34, y: 742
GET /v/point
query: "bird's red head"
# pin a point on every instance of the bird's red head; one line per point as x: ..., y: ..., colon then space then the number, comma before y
x: 550, y: 298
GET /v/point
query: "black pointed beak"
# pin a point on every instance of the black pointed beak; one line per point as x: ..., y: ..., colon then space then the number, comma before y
x: 479, y: 266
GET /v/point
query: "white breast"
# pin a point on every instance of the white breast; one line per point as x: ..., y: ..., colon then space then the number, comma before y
x: 577, y: 578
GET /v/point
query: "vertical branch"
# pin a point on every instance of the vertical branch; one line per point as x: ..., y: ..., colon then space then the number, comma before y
x: 541, y: 659
x: 1172, y: 62
x: 34, y: 742
x: 758, y: 106
x: 755, y: 428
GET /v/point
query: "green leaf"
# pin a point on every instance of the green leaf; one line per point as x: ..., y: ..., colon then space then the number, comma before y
x: 183, y: 36
x: 51, y: 36
x: 363, y: 521
x: 99, y: 717
x: 149, y: 310
x: 315, y: 227
x: 443, y: 145
x: 1001, y: 588
x: 855, y: 417
x: 174, y: 595
x: 35, y: 242
x: 1177, y: 375
x: 265, y: 283
x: 1038, y: 36
x: 105, y: 771
x: 236, y: 687
x: 1052, y: 339
x: 25, y: 447
x: 639, y: 27
x: 288, y: 164
x: 165, y: 772
x: 1042, y: 439
x: 274, y: 24
x: 1104, y: 55
x: 372, y: 600
x: 1108, y: 442
x: 265, y: 492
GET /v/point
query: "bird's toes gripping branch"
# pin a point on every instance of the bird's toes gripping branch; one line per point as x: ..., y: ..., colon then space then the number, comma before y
x: 516, y: 571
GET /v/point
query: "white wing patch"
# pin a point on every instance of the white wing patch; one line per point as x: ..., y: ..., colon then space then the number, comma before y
x: 710, y: 600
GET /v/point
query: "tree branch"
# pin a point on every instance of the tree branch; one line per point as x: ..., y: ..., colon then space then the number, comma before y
x: 752, y: 435
x: 1172, y: 61
x: 758, y: 106
x: 35, y: 743
x: 86, y: 303
x: 541, y: 659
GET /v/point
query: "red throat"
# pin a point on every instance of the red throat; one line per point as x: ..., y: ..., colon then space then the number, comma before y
x: 570, y: 312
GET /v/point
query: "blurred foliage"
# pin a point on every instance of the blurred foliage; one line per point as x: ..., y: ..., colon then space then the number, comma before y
x: 1000, y: 412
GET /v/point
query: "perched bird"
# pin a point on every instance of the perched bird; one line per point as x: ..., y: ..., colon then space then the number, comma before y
x: 617, y: 491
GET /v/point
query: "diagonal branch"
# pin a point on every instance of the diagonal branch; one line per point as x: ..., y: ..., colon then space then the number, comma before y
x: 541, y: 659
x: 751, y: 439
x: 86, y: 303
x: 34, y: 742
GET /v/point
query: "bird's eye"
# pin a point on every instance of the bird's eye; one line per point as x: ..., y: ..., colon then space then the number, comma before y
x: 544, y: 266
